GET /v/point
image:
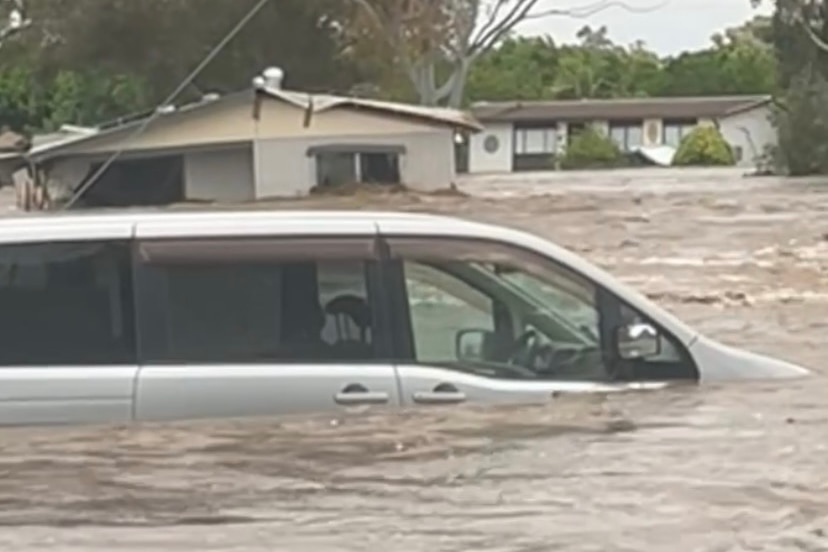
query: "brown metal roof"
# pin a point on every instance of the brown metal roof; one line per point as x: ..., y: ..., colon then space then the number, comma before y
x: 622, y: 108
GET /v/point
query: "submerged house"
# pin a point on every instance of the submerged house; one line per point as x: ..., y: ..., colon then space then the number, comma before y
x: 260, y: 143
x: 521, y: 136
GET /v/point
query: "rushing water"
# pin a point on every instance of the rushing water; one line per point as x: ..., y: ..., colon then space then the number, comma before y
x: 729, y: 468
x: 736, y: 467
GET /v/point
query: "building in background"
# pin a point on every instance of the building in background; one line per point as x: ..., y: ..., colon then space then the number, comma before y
x: 525, y: 136
x: 261, y: 143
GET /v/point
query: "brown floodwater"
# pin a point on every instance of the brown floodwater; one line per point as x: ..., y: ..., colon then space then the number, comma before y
x: 724, y: 468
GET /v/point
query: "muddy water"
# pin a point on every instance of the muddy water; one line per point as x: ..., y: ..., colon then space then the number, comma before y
x: 725, y: 468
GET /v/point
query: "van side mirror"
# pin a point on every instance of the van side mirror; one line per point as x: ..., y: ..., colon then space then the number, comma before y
x: 637, y: 340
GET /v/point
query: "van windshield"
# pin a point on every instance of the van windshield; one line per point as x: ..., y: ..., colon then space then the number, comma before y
x: 570, y: 303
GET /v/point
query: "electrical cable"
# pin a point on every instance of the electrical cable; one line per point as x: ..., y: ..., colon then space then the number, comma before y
x: 78, y: 193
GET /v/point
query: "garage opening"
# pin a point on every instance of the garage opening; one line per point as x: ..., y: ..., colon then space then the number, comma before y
x: 136, y: 183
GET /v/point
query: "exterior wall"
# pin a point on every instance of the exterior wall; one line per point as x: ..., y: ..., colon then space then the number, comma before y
x: 752, y: 131
x: 563, y: 137
x: 500, y: 161
x: 283, y: 168
x: 220, y: 175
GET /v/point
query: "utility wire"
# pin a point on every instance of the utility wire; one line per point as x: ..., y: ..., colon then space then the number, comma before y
x: 158, y: 111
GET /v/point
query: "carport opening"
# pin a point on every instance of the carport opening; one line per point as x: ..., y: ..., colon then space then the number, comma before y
x: 342, y: 165
x: 136, y: 182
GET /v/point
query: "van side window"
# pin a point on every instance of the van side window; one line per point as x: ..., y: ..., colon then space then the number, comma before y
x: 66, y: 304
x: 267, y: 307
x: 495, y: 310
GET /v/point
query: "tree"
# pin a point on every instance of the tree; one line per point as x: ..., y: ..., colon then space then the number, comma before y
x: 17, y: 20
x: 738, y: 62
x: 519, y: 69
x: 437, y: 43
x: 799, y: 34
x: 160, y: 42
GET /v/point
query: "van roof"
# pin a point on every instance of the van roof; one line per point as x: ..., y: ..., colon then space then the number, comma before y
x: 122, y: 222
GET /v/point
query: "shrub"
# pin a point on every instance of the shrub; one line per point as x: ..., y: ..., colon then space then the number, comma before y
x: 704, y: 145
x: 590, y: 149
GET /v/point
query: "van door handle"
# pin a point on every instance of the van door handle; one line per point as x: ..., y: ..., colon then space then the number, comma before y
x: 355, y: 394
x: 445, y: 393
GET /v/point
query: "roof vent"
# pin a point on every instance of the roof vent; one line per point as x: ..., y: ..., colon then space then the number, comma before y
x: 273, y: 77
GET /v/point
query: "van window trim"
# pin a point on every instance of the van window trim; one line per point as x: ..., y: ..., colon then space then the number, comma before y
x: 230, y: 249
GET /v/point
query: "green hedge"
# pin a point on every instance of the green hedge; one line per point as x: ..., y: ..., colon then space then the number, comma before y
x: 704, y: 145
x: 591, y: 149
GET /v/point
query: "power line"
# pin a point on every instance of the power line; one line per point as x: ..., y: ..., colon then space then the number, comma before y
x: 169, y: 100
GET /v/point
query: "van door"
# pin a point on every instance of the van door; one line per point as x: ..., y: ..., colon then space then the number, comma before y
x: 488, y: 321
x: 260, y: 326
x: 67, y: 335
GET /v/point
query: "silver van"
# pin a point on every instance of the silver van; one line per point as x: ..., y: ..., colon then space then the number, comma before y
x: 160, y: 316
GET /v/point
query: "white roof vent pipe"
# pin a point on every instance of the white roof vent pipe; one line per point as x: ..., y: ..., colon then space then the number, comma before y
x: 273, y: 77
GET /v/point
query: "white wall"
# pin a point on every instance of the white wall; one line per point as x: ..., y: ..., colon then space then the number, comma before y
x: 283, y: 168
x: 751, y: 131
x: 481, y: 161
x: 219, y: 175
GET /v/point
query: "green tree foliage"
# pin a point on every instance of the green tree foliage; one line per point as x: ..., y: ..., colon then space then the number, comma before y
x: 802, y: 120
x: 591, y: 149
x: 520, y: 69
x: 740, y: 61
x: 704, y: 145
x: 803, y: 127
x: 85, y: 61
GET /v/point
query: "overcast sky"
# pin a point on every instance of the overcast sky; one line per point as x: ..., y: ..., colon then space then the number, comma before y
x: 677, y: 26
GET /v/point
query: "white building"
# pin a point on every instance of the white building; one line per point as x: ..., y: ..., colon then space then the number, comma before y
x: 520, y: 136
x: 260, y: 143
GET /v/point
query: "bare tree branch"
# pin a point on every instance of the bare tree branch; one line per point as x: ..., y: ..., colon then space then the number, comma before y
x: 581, y: 12
x: 500, y: 28
x: 801, y: 18
x: 492, y: 18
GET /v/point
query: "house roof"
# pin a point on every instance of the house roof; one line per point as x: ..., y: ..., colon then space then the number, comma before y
x: 324, y: 102
x: 318, y: 103
x: 620, y: 108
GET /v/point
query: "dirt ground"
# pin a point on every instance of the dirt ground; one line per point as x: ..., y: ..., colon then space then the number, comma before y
x: 725, y: 468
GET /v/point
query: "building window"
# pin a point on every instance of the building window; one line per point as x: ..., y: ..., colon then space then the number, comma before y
x: 627, y: 135
x: 673, y: 130
x: 536, y: 140
x: 341, y: 165
x: 66, y: 304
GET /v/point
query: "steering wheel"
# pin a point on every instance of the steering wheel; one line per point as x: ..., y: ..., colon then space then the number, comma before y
x: 524, y: 350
